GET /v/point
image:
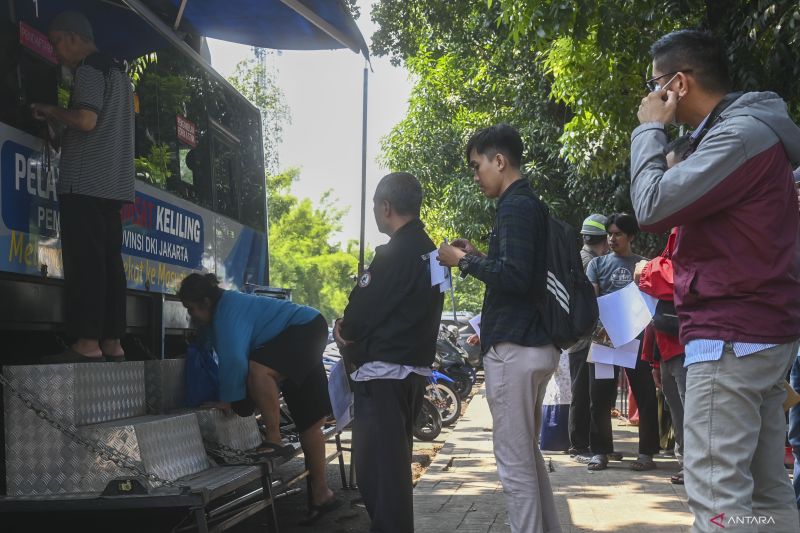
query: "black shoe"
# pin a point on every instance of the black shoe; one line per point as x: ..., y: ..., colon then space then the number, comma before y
x: 579, y: 451
x: 71, y: 356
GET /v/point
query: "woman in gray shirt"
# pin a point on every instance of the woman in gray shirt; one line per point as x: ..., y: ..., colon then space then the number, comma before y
x: 610, y: 273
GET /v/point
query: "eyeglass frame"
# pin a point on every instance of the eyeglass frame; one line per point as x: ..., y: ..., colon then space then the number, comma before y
x: 652, y: 86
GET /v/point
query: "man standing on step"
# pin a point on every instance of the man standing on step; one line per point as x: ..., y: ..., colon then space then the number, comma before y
x: 389, y: 332
x: 518, y: 356
x: 96, y: 177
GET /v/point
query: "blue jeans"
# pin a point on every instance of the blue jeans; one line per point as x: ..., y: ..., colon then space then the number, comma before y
x: 794, y: 428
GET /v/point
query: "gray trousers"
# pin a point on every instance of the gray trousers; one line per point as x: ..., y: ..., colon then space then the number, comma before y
x: 673, y: 383
x: 516, y: 379
x: 735, y: 429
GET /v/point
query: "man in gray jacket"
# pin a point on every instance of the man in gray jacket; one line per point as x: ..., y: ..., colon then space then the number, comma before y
x: 737, y: 281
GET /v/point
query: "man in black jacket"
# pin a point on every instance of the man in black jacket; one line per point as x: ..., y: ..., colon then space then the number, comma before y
x: 389, y: 332
x: 518, y: 356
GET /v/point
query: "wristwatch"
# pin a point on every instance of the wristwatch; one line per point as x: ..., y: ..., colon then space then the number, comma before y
x: 463, y: 265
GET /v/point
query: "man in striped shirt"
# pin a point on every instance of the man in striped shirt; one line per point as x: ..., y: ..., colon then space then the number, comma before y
x: 96, y: 177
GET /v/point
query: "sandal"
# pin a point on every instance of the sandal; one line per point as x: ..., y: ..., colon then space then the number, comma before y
x: 677, y: 479
x: 642, y: 466
x: 270, y: 450
x: 598, y: 462
x: 315, y: 512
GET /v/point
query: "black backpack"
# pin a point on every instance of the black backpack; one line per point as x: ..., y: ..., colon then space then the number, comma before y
x: 568, y: 305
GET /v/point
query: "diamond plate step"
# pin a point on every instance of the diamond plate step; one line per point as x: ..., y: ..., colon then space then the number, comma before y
x: 81, y: 393
x: 42, y: 460
x: 240, y: 433
x: 164, y: 385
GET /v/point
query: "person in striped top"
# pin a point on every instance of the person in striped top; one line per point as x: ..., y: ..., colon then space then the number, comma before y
x: 96, y: 177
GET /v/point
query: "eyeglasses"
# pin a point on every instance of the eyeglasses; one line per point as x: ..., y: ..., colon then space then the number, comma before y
x: 653, y: 86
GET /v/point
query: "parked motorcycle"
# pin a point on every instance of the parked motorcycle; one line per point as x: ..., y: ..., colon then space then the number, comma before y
x: 442, y: 394
x: 451, y: 360
x: 428, y: 424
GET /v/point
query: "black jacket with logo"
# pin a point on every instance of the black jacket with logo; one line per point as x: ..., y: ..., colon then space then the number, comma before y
x: 393, y: 314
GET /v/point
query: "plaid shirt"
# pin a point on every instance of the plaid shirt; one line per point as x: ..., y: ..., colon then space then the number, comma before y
x: 514, y: 267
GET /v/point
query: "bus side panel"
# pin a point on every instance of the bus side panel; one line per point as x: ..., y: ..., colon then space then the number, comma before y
x: 241, y: 254
x: 164, y: 237
x: 29, y: 230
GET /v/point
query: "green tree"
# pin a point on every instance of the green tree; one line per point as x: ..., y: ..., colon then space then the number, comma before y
x: 302, y: 254
x: 569, y: 74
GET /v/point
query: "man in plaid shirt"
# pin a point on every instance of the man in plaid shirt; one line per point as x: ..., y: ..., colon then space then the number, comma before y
x: 518, y: 356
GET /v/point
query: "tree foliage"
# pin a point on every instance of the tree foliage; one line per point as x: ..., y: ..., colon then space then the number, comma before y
x: 302, y: 253
x: 568, y: 74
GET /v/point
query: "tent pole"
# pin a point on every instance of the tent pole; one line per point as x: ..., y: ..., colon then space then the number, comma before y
x: 363, y: 171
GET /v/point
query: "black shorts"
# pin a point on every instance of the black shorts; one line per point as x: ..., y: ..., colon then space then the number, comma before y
x: 297, y: 355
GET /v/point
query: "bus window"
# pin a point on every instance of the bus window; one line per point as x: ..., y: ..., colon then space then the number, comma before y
x: 26, y: 77
x: 224, y: 169
x: 242, y: 120
x: 172, y: 149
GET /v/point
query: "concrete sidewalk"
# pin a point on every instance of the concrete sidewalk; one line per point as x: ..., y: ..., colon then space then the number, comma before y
x: 460, y: 491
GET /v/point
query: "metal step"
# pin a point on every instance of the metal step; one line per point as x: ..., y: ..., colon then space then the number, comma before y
x: 81, y: 393
x: 42, y: 460
x: 165, y: 385
x: 239, y: 433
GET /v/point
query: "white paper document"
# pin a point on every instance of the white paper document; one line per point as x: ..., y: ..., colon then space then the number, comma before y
x: 475, y: 322
x: 651, y: 303
x: 341, y: 397
x: 624, y: 314
x: 439, y: 273
x: 625, y: 355
x: 603, y: 371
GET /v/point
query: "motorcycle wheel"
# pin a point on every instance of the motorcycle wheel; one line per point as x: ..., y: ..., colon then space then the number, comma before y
x: 446, y: 400
x: 428, y: 425
x: 463, y: 385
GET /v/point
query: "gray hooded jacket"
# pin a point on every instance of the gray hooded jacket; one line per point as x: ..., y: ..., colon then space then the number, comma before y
x: 736, y: 264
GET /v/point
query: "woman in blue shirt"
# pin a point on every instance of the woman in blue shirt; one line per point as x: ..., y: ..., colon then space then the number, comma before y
x: 266, y: 345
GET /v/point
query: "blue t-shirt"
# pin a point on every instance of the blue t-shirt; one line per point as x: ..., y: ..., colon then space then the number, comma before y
x: 243, y: 322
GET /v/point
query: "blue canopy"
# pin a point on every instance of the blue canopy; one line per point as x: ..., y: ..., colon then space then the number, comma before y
x: 282, y: 24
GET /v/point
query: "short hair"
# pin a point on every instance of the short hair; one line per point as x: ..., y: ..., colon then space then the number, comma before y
x: 697, y: 50
x: 403, y: 191
x: 195, y: 287
x: 500, y: 138
x: 591, y: 240
x: 625, y: 222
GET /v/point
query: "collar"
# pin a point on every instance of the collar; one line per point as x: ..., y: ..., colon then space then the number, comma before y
x: 408, y: 227
x: 517, y: 184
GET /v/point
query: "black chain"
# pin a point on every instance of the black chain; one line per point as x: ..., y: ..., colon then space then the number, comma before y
x: 104, y: 451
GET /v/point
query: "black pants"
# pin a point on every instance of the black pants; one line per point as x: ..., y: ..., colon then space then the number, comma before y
x: 603, y: 394
x: 579, y: 414
x: 94, y: 276
x: 385, y: 410
x: 644, y: 389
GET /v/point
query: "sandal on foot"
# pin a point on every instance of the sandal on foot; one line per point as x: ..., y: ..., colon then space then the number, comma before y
x: 677, y: 479
x: 315, y: 512
x: 270, y: 450
x: 598, y: 462
x: 642, y: 466
x: 70, y: 356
